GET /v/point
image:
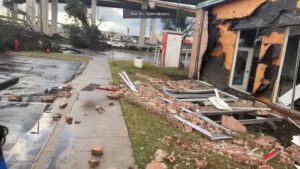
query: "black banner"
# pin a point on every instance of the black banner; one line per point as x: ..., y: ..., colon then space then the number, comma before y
x: 148, y: 13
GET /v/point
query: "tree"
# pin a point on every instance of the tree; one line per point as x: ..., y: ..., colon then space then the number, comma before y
x: 82, y: 34
x: 183, y: 22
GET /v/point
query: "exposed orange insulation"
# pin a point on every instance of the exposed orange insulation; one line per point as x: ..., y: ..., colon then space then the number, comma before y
x: 237, y: 9
x: 298, y: 4
x: 260, y: 72
x: 267, y: 41
x: 227, y: 40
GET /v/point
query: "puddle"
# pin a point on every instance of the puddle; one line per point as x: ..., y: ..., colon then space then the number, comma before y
x: 28, y: 126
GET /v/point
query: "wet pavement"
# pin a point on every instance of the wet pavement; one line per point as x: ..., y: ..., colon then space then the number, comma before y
x: 121, y: 54
x: 107, y: 129
x: 28, y: 124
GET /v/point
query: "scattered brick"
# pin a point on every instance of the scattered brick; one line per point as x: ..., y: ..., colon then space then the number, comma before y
x: 99, y: 108
x: 294, y: 152
x: 48, y: 99
x: 114, y: 95
x: 97, y: 151
x: 201, y: 164
x: 171, y: 158
x: 155, y: 164
x: 93, y: 163
x: 77, y: 122
x: 69, y: 119
x: 57, y: 116
x: 265, y: 142
x: 264, y: 167
x: 65, y: 94
x: 167, y: 140
x: 15, y: 98
x: 235, y: 152
x: 63, y: 105
x: 160, y: 155
x: 176, y: 166
x: 233, y: 124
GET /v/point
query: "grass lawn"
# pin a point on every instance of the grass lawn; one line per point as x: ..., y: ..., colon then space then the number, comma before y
x: 149, y: 69
x: 146, y: 128
x: 59, y: 56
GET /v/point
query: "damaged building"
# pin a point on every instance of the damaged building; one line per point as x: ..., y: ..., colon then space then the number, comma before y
x: 250, y: 47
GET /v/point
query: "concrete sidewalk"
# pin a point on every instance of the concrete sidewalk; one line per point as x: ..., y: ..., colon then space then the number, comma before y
x: 73, y: 148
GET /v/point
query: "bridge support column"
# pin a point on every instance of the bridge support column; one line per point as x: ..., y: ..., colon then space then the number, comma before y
x: 93, y: 12
x: 143, y: 25
x: 152, y: 31
x: 14, y: 12
x: 44, y: 15
x: 54, y: 12
x: 30, y: 12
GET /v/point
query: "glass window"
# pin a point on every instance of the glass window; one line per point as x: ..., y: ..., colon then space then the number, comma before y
x: 289, y: 83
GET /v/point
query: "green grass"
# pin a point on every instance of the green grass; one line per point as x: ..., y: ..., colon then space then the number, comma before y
x: 59, y: 56
x: 146, y: 128
x: 149, y: 69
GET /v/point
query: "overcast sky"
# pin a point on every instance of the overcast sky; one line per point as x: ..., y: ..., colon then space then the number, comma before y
x: 113, y: 19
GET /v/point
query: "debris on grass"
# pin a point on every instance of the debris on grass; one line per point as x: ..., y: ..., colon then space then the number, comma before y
x: 201, y: 164
x: 155, y: 164
x: 161, y: 155
x: 233, y: 124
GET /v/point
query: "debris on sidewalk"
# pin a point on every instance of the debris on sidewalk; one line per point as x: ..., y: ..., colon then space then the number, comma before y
x: 57, y: 117
x: 48, y: 99
x: 97, y: 151
x: 15, y: 98
x: 77, y: 122
x: 99, y: 109
x: 111, y: 103
x: 233, y: 124
x: 93, y: 163
x: 63, y: 105
x: 69, y: 119
x: 65, y: 94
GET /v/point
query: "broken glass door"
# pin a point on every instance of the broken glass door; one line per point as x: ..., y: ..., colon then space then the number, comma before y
x: 242, y: 68
x: 289, y: 82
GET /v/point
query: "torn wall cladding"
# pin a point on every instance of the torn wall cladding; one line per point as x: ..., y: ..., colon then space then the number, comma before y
x: 271, y: 17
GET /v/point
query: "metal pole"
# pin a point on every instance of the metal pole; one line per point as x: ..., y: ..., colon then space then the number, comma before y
x: 296, y: 76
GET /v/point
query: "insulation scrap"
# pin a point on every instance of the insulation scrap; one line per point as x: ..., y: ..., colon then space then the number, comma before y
x: 235, y: 152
